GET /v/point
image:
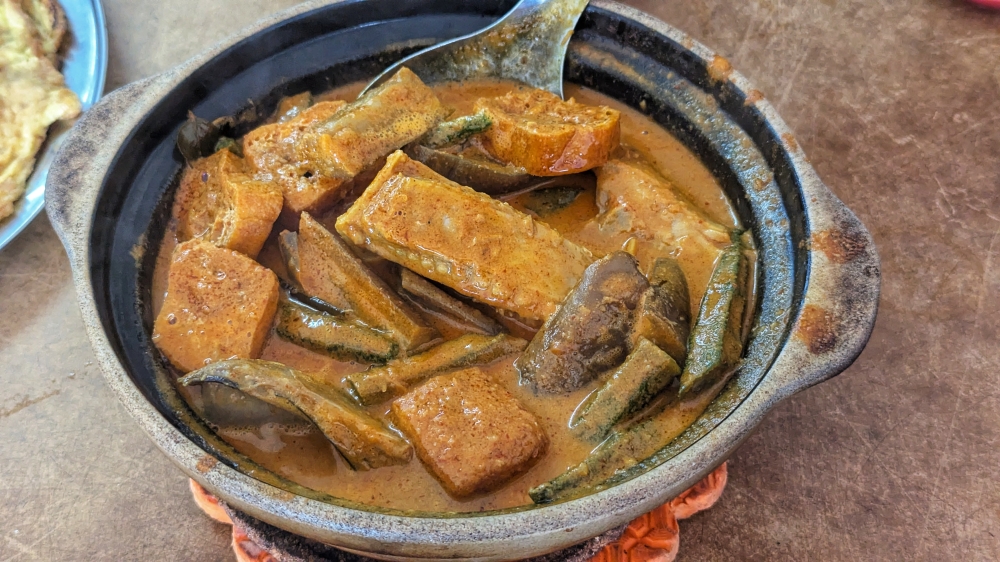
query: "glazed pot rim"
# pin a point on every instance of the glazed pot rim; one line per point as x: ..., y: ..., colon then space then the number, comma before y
x: 799, y: 364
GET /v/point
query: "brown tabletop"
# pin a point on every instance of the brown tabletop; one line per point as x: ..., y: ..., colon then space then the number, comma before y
x: 897, y: 104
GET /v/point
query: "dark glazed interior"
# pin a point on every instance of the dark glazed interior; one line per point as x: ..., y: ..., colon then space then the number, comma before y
x: 353, y: 40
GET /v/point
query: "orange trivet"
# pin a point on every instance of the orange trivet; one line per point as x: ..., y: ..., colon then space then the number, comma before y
x: 653, y: 537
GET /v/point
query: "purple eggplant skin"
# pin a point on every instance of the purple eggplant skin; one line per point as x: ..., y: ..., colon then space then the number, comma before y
x: 664, y: 312
x: 364, y: 441
x: 590, y: 333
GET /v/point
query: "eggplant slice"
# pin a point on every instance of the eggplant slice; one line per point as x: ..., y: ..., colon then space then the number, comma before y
x: 664, y: 312
x: 590, y: 333
x: 364, y: 441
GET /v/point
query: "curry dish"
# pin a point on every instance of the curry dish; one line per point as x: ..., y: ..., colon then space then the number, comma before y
x: 465, y: 297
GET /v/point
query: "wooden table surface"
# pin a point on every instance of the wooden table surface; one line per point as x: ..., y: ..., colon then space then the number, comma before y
x: 897, y: 104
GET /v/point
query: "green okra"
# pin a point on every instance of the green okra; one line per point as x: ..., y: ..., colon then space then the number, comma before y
x: 716, y: 340
x: 645, y: 372
x: 378, y: 384
x: 337, y: 337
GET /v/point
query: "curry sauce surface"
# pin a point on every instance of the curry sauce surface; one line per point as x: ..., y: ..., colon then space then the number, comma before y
x: 302, y: 454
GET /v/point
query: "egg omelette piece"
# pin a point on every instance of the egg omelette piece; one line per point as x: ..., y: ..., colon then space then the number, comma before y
x: 50, y: 22
x: 33, y: 96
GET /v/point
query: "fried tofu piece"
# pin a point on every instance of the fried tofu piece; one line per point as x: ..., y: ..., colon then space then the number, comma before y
x: 481, y: 247
x: 329, y: 271
x: 192, y: 209
x: 50, y: 22
x: 316, y: 157
x: 245, y: 212
x: 275, y: 151
x: 539, y: 132
x: 219, y: 305
x: 218, y: 201
x: 470, y: 432
x: 636, y: 201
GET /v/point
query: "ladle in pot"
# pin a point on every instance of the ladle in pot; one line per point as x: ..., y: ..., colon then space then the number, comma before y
x: 526, y: 45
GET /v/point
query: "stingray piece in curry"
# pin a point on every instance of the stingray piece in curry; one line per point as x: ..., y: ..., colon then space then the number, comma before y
x: 636, y: 201
x: 409, y: 293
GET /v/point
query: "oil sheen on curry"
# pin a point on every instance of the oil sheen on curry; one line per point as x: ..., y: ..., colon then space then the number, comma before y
x: 466, y: 297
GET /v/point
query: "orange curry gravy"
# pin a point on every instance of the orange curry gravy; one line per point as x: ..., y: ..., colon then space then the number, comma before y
x: 302, y: 454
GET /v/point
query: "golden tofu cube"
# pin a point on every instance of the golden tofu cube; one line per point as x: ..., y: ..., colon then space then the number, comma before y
x: 469, y: 431
x: 193, y: 209
x: 217, y: 201
x: 245, y: 212
x: 275, y: 151
x: 219, y: 305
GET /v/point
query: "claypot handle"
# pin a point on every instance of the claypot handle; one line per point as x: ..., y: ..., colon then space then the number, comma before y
x: 79, y: 168
x: 838, y: 310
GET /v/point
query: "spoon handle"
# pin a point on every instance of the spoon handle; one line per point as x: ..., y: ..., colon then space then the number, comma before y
x: 526, y: 45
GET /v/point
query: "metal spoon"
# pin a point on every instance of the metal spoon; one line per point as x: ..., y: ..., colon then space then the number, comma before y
x: 527, y: 45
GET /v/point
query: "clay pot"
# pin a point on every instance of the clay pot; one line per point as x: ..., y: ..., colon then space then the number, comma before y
x: 109, y: 195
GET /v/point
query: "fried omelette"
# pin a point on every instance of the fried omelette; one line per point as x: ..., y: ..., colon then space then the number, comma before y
x: 33, y: 94
x: 50, y: 21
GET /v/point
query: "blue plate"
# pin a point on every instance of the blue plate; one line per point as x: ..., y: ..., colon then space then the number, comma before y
x: 84, y: 67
